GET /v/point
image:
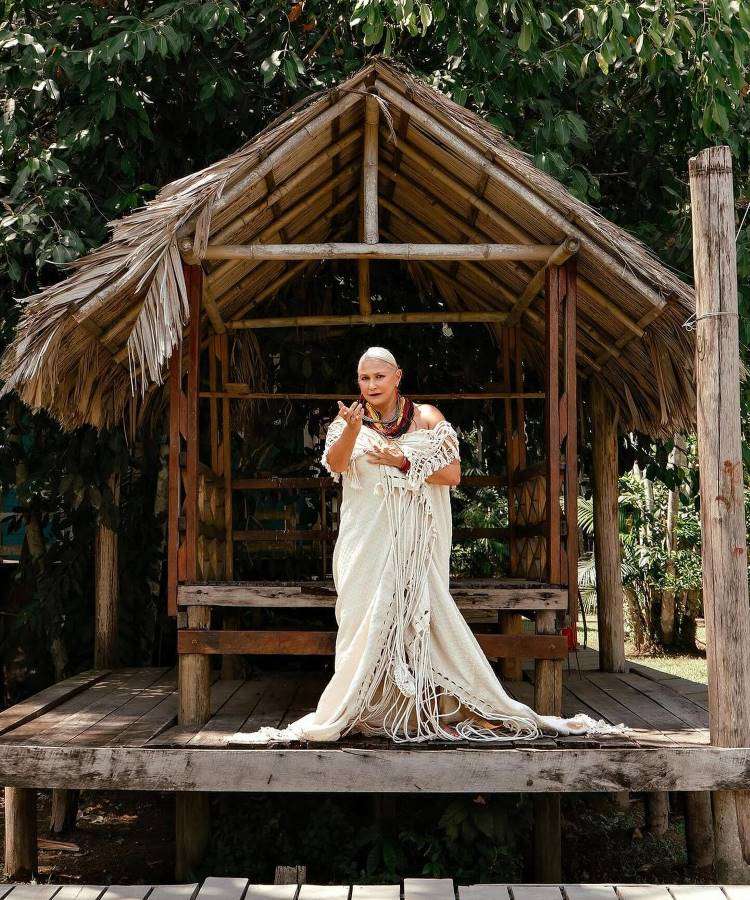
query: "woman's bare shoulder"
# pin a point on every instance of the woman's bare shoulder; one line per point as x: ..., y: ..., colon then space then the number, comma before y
x: 429, y: 415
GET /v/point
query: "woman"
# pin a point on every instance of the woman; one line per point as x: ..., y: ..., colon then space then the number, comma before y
x: 407, y: 664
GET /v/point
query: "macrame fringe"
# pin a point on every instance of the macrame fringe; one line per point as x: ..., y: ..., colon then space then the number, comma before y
x: 401, y: 697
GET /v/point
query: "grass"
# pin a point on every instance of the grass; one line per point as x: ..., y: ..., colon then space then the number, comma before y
x: 683, y: 665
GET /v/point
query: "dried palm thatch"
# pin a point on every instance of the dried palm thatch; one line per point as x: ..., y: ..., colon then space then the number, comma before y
x: 101, y: 339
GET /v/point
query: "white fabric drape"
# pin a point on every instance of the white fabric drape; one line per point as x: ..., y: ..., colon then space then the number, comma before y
x: 407, y: 664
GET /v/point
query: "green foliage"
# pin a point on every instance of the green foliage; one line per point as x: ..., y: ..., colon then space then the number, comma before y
x: 474, y: 839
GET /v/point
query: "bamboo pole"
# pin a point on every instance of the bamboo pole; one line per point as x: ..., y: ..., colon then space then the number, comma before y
x: 106, y: 589
x: 370, y: 170
x: 609, y: 591
x: 724, y: 545
x: 456, y: 144
x: 547, y: 253
x: 405, y: 318
x: 239, y: 392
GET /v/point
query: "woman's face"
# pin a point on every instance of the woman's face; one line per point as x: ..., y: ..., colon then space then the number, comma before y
x: 378, y: 381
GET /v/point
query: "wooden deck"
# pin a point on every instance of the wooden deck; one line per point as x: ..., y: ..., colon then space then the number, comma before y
x: 118, y: 730
x: 412, y: 889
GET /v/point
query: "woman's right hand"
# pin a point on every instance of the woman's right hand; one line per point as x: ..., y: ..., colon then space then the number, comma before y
x: 352, y: 415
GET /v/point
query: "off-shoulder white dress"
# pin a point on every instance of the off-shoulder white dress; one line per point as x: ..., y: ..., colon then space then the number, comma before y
x: 407, y: 664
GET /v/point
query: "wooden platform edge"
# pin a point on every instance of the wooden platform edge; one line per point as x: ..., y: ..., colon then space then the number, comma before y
x: 347, y: 769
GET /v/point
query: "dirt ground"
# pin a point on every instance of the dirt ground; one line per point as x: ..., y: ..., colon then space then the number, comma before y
x: 121, y: 838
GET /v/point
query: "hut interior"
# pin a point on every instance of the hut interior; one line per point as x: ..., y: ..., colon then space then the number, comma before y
x: 379, y: 204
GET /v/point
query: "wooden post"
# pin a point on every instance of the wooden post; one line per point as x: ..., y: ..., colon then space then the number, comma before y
x: 699, y: 833
x: 568, y: 416
x: 657, y: 813
x: 609, y: 593
x: 511, y: 668
x: 369, y: 206
x: 20, y: 833
x: 552, y: 291
x: 724, y: 546
x: 547, y: 701
x: 64, y: 810
x: 194, y: 684
x: 107, y: 588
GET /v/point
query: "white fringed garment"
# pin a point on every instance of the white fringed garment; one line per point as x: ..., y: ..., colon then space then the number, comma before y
x: 407, y: 664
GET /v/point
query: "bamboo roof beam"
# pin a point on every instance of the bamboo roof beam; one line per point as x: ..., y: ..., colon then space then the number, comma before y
x: 448, y: 183
x: 283, y: 190
x: 401, y: 318
x: 241, y: 392
x: 559, y: 255
x: 462, y: 147
x: 214, y: 316
x: 479, y: 270
x: 285, y: 219
x: 294, y: 142
x: 218, y: 291
x: 332, y: 250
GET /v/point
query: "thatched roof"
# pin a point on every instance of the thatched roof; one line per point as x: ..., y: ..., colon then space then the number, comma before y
x: 89, y: 344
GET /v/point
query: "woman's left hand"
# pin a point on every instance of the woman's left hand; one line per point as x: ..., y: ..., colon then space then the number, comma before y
x: 387, y: 455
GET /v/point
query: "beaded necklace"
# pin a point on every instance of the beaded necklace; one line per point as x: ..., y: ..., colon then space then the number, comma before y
x: 397, y: 424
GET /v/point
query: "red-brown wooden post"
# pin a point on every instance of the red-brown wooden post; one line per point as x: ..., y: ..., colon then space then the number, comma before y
x: 194, y: 686
x: 554, y: 288
x: 568, y: 411
x: 547, y: 672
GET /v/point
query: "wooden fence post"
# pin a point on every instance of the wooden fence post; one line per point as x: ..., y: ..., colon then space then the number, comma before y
x: 724, y: 545
x: 609, y: 593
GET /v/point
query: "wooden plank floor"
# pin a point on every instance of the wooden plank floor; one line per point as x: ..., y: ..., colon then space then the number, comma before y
x: 411, y: 889
x: 118, y: 729
x: 138, y: 708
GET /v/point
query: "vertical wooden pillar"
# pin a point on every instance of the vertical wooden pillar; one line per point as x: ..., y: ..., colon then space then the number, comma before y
x: 107, y: 588
x: 724, y: 545
x: 568, y: 416
x: 547, y: 701
x: 554, y: 287
x: 699, y: 833
x: 20, y: 833
x: 609, y: 593
x: 194, y: 677
x: 369, y: 204
x: 559, y: 306
x: 511, y: 668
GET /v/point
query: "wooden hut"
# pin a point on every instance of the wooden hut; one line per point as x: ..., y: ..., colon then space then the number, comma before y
x: 382, y: 167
